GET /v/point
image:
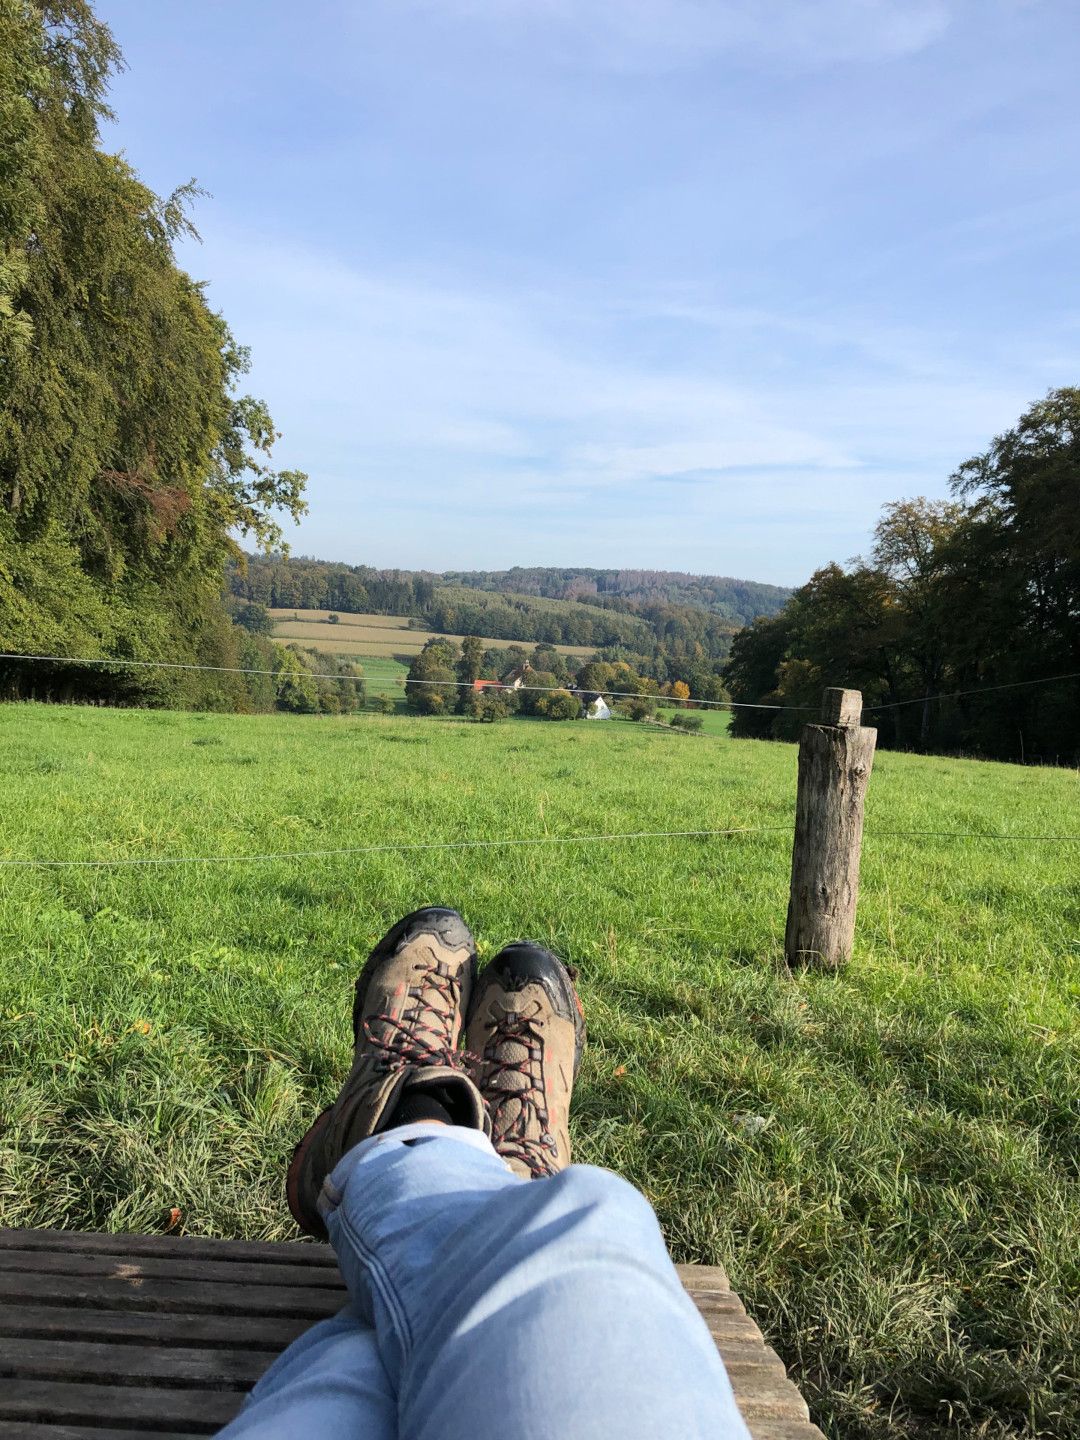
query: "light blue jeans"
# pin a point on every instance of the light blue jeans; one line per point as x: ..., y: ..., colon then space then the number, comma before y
x: 486, y: 1307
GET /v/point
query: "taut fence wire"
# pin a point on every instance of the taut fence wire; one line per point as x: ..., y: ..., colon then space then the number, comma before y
x: 110, y: 662
x: 127, y: 861
x: 447, y: 684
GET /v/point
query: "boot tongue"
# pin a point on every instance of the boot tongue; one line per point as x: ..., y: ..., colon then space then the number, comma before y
x: 512, y: 1049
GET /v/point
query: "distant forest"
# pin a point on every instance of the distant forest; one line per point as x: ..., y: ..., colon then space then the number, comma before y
x: 740, y: 601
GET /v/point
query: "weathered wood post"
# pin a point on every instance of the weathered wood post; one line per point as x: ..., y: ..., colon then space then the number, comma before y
x: 834, y: 771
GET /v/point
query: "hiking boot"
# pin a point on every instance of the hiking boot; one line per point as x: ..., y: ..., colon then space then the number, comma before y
x: 407, y: 1016
x: 524, y: 1038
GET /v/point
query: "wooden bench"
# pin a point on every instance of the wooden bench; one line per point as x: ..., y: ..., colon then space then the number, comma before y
x: 136, y: 1337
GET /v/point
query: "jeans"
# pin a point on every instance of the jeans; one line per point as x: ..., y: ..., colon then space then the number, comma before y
x: 486, y: 1307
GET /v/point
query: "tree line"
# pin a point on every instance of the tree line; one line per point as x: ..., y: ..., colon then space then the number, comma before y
x: 129, y: 453
x: 979, y: 593
x: 515, y: 617
x: 664, y: 640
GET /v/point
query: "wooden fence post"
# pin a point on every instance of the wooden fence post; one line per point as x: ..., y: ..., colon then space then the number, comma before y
x: 834, y: 771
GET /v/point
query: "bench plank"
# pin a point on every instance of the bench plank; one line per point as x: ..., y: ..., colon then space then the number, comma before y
x: 165, y: 1295
x: 136, y: 1268
x: 98, y: 1362
x: 89, y: 1242
x: 61, y: 1322
x: 201, y: 1411
x: 25, y: 1430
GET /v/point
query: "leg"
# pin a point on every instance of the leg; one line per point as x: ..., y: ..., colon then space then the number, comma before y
x: 410, y: 1000
x: 331, y: 1383
x: 505, y: 1296
x: 532, y: 1309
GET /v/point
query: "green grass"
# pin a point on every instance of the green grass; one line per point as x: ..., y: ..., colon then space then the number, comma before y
x: 713, y: 722
x: 905, y: 1225
x: 383, y: 675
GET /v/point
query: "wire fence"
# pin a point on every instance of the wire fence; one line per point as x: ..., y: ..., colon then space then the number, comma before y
x: 501, y: 842
x: 119, y: 862
x: 691, y: 700
x: 447, y: 684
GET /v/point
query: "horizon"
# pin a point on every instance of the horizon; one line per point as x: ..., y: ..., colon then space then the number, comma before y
x: 674, y: 286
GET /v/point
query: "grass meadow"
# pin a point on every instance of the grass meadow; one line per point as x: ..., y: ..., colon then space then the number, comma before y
x: 902, y: 1219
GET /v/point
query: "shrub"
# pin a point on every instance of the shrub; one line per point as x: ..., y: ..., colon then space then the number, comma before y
x: 637, y: 707
x: 687, y: 722
x: 431, y: 686
x: 539, y: 684
x: 255, y: 619
x: 488, y: 705
x: 558, y: 705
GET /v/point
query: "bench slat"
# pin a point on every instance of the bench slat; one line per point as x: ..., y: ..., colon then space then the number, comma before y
x: 174, y: 1367
x: 134, y: 1268
x: 164, y: 1329
x: 89, y: 1242
x: 167, y: 1295
x: 27, y: 1430
x: 165, y: 1410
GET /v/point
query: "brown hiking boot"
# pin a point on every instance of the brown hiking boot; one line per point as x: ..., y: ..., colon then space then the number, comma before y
x: 410, y: 999
x: 525, y: 1035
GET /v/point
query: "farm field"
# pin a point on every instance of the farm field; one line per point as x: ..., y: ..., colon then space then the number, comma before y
x: 374, y: 635
x: 887, y: 1160
x: 713, y: 721
x: 384, y: 675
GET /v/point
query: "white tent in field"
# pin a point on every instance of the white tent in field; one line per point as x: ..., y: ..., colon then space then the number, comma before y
x: 598, y: 710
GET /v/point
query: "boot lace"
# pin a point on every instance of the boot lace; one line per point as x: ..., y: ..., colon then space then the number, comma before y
x: 412, y: 1039
x: 522, y: 1033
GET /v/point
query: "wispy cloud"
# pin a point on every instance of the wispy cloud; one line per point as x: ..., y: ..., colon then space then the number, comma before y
x: 661, y: 34
x: 529, y: 413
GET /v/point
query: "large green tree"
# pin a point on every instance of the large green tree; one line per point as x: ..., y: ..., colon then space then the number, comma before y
x: 128, y: 455
x: 959, y: 615
x: 431, y: 685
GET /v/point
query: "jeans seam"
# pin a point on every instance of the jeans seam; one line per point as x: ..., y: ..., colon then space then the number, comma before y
x: 382, y: 1282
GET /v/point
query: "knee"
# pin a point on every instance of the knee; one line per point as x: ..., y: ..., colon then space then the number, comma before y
x: 612, y: 1204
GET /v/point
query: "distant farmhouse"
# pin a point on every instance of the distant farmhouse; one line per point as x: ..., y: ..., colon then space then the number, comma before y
x: 593, y: 705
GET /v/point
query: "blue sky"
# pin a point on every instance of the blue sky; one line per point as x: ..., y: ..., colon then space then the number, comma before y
x: 692, y: 284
